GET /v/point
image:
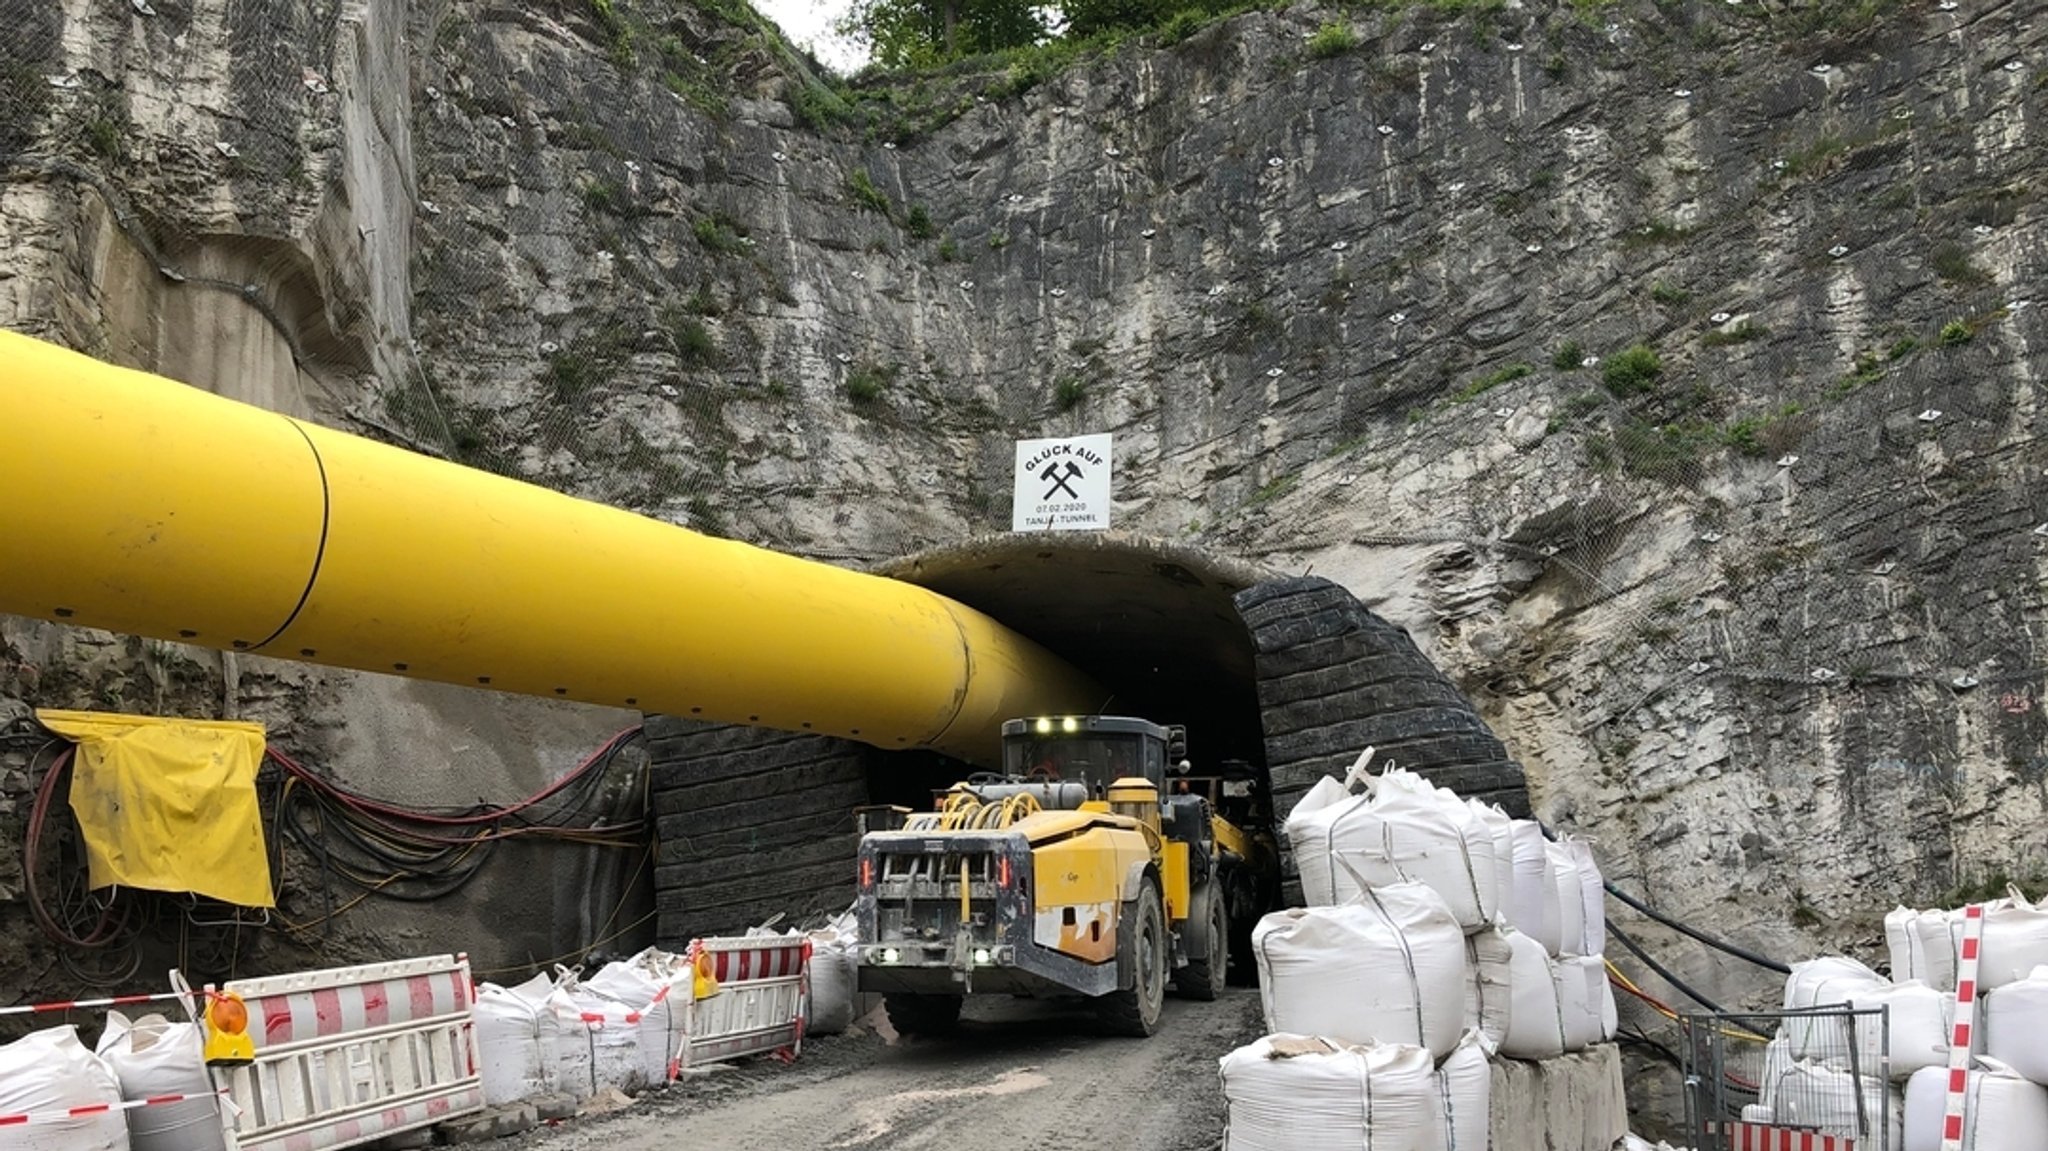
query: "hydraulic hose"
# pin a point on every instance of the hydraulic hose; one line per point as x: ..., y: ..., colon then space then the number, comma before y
x: 1664, y: 973
x: 1737, y: 951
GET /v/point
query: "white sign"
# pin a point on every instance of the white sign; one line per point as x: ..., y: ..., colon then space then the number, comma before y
x: 1062, y: 485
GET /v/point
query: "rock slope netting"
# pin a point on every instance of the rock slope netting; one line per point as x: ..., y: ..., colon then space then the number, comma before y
x: 1668, y: 371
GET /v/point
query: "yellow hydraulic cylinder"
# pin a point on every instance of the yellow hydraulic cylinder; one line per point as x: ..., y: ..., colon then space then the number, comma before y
x: 141, y: 505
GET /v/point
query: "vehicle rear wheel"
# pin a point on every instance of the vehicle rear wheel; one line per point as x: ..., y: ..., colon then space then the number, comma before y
x: 923, y: 1014
x: 1141, y: 940
x: 1202, y: 979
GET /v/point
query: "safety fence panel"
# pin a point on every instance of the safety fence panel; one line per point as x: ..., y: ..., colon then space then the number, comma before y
x: 763, y: 989
x: 1812, y: 1079
x: 350, y: 1054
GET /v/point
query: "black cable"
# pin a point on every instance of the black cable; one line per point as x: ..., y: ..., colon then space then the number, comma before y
x: 1638, y: 1039
x: 1621, y: 937
x: 1683, y: 929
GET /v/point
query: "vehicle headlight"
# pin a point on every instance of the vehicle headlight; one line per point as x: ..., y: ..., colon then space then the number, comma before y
x: 891, y: 955
x: 982, y: 956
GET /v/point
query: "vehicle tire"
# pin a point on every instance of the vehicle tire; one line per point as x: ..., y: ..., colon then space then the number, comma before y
x: 1203, y: 978
x: 1140, y: 940
x: 913, y: 1014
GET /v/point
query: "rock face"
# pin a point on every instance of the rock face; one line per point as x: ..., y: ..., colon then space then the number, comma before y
x: 1756, y: 605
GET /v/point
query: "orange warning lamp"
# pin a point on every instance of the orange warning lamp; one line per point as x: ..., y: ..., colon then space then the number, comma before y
x: 704, y: 981
x: 227, y: 1031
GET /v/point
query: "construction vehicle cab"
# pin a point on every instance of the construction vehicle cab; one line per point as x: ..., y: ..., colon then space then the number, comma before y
x: 1087, y: 867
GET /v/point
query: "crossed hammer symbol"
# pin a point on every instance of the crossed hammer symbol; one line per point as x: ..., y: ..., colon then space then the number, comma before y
x: 1052, y: 475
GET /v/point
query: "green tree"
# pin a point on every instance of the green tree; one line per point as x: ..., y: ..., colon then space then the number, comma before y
x: 925, y: 33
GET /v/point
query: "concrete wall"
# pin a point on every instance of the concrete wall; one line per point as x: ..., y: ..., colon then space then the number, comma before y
x: 1574, y: 1103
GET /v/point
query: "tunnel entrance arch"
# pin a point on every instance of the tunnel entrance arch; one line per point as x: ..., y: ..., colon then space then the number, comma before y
x: 1293, y: 675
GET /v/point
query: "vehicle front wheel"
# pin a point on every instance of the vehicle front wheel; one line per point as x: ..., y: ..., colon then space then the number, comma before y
x: 1141, y: 941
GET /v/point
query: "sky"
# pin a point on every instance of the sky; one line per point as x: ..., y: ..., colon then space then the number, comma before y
x: 808, y: 23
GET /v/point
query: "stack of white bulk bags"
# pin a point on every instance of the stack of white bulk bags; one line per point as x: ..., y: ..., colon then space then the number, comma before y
x: 1297, y: 1093
x: 51, y: 1070
x: 1387, y: 969
x: 520, y: 1043
x: 1399, y: 831
x: 154, y: 1057
x: 1814, y: 1068
x: 2003, y: 1112
x: 1440, y: 933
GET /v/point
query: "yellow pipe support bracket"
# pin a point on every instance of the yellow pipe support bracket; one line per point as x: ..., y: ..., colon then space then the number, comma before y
x: 149, y: 507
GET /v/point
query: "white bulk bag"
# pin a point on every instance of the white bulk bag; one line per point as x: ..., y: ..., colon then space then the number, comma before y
x: 1757, y: 1113
x: 1389, y: 969
x: 1593, y: 898
x: 601, y: 1048
x: 519, y: 1043
x: 645, y: 986
x: 1500, y: 828
x: 1918, y: 1030
x: 1923, y: 946
x: 1534, y: 911
x: 2003, y: 1111
x: 2015, y: 940
x: 1581, y: 1003
x: 1828, y: 981
x: 154, y: 1057
x: 1489, y: 982
x: 1464, y: 1081
x: 1568, y: 899
x: 2014, y: 1025
x: 1399, y: 831
x: 1777, y: 1061
x: 1533, y: 1028
x: 50, y: 1070
x: 1825, y: 1098
x: 1293, y: 1093
x: 835, y: 971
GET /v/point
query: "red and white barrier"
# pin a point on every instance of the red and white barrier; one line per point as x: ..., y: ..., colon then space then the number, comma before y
x: 85, y: 1004
x: 763, y: 985
x: 1760, y: 1137
x: 351, y: 1054
x: 99, y: 1109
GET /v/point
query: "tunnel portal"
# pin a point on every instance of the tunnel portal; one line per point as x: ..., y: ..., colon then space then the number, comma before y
x: 1291, y: 674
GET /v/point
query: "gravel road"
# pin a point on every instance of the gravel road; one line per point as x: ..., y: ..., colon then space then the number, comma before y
x: 1020, y: 1074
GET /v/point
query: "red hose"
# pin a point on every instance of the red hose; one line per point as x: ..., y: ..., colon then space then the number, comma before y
x: 109, y: 926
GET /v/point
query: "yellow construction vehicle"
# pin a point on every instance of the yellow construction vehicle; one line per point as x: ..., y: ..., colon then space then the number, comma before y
x: 1094, y: 864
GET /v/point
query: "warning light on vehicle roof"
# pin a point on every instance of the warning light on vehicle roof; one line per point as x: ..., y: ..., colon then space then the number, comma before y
x: 227, y: 1032
x: 1070, y: 724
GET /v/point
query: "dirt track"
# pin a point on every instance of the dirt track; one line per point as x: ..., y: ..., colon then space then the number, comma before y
x: 1019, y: 1074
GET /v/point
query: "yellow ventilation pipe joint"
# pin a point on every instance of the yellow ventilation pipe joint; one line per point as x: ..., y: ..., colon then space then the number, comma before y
x: 144, y: 506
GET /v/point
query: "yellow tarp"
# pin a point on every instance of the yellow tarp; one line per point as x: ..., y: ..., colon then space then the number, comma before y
x: 168, y: 804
